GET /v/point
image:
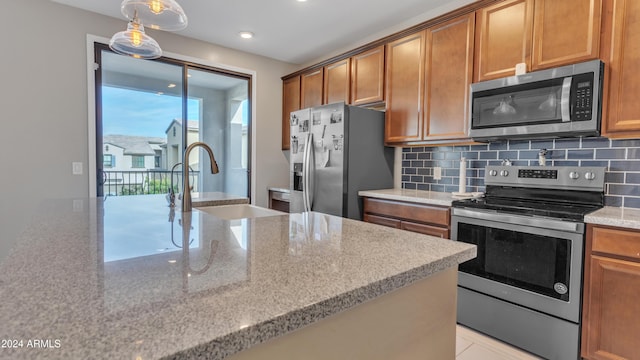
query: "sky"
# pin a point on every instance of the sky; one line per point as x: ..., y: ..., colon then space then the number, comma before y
x: 130, y: 112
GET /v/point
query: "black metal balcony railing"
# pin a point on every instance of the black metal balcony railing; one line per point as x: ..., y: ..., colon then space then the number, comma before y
x: 117, y: 183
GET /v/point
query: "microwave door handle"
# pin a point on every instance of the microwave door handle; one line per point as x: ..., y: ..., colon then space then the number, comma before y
x: 565, y: 100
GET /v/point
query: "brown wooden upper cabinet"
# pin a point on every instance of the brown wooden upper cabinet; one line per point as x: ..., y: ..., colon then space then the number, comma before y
x: 337, y: 80
x: 621, y: 36
x: 311, y: 88
x: 540, y: 33
x: 449, y: 72
x: 427, y: 83
x: 404, y: 88
x: 367, y: 76
x: 290, y: 102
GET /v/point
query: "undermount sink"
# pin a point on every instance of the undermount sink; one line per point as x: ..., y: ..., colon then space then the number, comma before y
x: 239, y: 211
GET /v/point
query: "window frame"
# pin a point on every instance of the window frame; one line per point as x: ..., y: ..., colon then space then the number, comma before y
x: 135, y: 161
x: 95, y: 44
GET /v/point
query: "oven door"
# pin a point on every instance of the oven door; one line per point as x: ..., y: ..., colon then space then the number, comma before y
x: 530, y: 261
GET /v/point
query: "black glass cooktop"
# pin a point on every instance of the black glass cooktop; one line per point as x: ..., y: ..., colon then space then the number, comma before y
x: 569, y: 205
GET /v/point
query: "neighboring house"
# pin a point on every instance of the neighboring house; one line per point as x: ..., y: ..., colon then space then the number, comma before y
x: 174, y: 142
x: 127, y: 160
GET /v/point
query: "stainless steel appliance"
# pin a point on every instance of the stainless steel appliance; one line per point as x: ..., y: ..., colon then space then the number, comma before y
x: 336, y: 151
x: 525, y: 285
x: 558, y: 102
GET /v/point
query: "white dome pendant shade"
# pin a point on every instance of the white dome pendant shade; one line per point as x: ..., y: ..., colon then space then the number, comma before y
x: 156, y: 14
x: 134, y: 42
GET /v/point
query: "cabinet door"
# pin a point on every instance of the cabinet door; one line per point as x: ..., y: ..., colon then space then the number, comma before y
x: 621, y: 114
x: 503, y: 38
x: 311, y: 89
x: 404, y: 88
x: 367, y: 77
x: 612, y: 311
x: 449, y: 69
x: 565, y: 32
x: 290, y: 102
x: 337, y: 81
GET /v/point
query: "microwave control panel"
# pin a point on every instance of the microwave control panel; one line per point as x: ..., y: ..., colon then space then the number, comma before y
x: 582, y: 97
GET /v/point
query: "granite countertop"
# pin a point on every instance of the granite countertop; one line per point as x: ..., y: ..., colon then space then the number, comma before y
x: 615, y: 216
x: 417, y: 196
x: 129, y: 278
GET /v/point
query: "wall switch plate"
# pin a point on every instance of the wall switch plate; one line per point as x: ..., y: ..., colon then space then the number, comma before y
x: 437, y: 173
x: 76, y: 168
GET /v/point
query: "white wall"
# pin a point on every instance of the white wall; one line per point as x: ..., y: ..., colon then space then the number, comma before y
x: 43, y: 107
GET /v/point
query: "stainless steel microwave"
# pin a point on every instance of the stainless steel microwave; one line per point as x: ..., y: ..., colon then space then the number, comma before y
x: 559, y: 102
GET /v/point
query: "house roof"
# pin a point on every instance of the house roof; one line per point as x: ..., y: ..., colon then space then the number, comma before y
x: 191, y: 124
x: 135, y: 145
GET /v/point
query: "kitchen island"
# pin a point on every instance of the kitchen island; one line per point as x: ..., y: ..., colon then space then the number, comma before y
x: 129, y: 278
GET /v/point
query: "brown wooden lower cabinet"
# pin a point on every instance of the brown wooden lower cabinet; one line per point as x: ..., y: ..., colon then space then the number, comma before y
x: 611, y: 301
x: 279, y: 200
x: 421, y: 218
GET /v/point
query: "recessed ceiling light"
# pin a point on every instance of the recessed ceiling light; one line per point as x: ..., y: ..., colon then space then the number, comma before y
x: 246, y: 34
x: 171, y: 85
x: 302, y: 0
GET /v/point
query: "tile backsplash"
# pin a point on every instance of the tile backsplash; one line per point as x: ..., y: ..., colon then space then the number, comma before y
x: 621, y: 158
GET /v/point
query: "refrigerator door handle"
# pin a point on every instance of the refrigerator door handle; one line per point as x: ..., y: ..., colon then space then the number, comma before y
x: 311, y: 172
x: 305, y: 173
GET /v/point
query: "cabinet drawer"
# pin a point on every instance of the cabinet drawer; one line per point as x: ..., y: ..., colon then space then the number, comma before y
x: 409, y: 211
x: 616, y: 242
x: 425, y: 229
x: 394, y: 223
x: 278, y: 195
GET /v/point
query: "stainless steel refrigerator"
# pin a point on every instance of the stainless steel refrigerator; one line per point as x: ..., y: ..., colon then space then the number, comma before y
x: 336, y: 151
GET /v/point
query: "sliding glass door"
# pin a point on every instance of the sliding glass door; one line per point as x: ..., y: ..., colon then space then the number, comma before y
x: 148, y: 111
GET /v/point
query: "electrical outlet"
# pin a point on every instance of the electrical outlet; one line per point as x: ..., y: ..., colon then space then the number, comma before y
x: 76, y: 168
x: 437, y: 173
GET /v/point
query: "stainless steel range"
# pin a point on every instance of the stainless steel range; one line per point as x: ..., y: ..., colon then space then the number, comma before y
x: 525, y: 285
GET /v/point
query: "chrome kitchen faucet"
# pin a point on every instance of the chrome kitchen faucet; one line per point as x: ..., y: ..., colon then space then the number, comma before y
x: 186, y: 189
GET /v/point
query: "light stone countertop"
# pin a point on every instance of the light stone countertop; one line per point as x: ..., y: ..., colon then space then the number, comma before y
x: 281, y: 189
x: 127, y: 277
x: 615, y: 216
x: 417, y: 196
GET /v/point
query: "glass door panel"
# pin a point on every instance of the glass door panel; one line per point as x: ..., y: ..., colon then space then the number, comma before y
x: 518, y: 105
x: 139, y: 134
x: 222, y: 122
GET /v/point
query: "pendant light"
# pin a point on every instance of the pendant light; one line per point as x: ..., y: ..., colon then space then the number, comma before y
x: 134, y: 42
x: 156, y: 14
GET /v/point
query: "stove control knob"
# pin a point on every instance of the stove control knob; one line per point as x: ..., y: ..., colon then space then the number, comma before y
x: 493, y: 172
x: 504, y: 173
x: 574, y: 175
x: 589, y: 175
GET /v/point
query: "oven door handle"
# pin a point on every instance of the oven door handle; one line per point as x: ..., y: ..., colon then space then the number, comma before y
x: 544, y: 223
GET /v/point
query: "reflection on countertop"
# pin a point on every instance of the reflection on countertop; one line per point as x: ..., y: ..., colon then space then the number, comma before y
x: 129, y: 278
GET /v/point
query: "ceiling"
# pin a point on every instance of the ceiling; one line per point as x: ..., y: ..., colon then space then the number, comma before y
x: 292, y: 31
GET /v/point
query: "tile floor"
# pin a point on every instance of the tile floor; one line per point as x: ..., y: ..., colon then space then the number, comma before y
x: 471, y: 345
